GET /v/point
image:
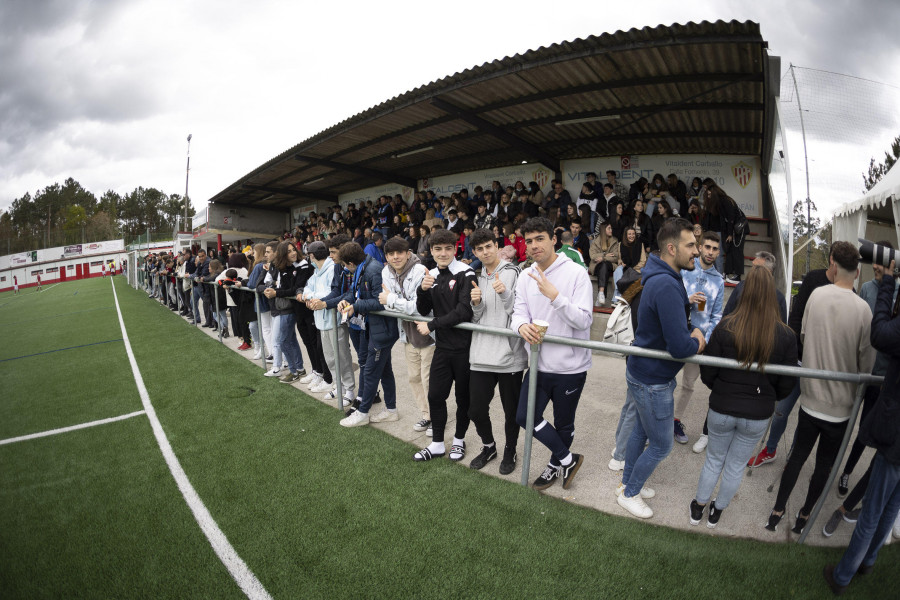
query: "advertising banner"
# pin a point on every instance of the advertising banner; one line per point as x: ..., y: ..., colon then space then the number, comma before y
x: 526, y: 173
x: 72, y: 250
x: 372, y: 193
x: 739, y: 176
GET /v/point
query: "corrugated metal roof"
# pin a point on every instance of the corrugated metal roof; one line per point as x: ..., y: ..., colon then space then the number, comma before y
x: 692, y: 88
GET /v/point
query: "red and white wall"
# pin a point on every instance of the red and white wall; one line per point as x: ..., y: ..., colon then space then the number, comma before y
x: 65, y: 263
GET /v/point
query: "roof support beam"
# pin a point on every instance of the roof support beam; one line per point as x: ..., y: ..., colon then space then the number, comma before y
x: 290, y: 192
x: 528, y: 150
x: 385, y: 176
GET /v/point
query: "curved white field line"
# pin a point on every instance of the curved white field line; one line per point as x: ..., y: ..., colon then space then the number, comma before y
x: 243, y: 576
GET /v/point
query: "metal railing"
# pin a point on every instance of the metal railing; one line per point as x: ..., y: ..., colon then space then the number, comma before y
x: 861, y: 379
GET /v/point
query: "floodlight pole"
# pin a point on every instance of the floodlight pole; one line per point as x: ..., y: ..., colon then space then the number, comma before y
x: 187, y: 176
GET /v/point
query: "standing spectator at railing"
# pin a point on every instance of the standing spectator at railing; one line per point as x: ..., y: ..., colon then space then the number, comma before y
x: 200, y: 292
x: 662, y: 325
x: 401, y: 279
x: 240, y: 304
x: 281, y: 288
x: 741, y: 401
x: 382, y: 334
x: 837, y: 345
x: 558, y: 291
x: 445, y: 292
x: 495, y: 362
x: 705, y: 289
x: 318, y: 286
x: 262, y: 332
x: 217, y: 295
x: 319, y: 378
x: 881, y: 431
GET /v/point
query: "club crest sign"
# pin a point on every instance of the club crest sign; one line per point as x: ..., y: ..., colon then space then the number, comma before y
x: 743, y: 173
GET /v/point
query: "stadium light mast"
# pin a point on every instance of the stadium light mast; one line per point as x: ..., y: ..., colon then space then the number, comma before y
x: 187, y: 177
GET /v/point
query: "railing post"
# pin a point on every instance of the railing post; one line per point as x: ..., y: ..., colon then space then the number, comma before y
x: 337, y: 359
x: 215, y: 293
x: 529, y: 415
x: 837, y: 464
x: 259, y: 328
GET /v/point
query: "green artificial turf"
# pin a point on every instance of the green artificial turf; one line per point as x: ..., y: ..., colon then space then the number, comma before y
x: 319, y: 511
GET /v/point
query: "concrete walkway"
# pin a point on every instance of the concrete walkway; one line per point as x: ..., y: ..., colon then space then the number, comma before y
x: 675, y: 479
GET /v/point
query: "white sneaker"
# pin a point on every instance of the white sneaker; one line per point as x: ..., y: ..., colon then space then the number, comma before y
x: 273, y: 372
x: 309, y: 378
x: 897, y: 528
x: 384, y: 416
x: 601, y: 298
x: 646, y: 492
x: 315, y: 380
x: 357, y: 419
x: 331, y: 395
x: 321, y: 386
x: 257, y: 356
x: 616, y: 465
x: 429, y: 432
x: 700, y: 444
x: 635, y: 506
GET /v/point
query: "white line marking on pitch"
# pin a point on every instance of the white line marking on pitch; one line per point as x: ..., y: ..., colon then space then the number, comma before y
x: 32, y: 436
x: 243, y: 576
x: 48, y: 289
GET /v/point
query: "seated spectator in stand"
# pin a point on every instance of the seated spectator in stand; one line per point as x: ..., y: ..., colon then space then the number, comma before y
x: 483, y: 220
x: 663, y: 212
x: 631, y: 255
x: 590, y: 197
x: 401, y: 279
x: 567, y: 250
x: 514, y: 245
x: 679, y: 191
x: 558, y: 198
x: 452, y: 222
x: 636, y: 218
x: 693, y: 213
x: 580, y: 239
x: 467, y: 256
x: 741, y: 402
x: 618, y: 187
x: 604, y: 253
x: 373, y: 248
x: 837, y: 345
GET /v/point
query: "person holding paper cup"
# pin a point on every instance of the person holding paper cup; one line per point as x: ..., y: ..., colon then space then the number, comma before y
x: 553, y: 297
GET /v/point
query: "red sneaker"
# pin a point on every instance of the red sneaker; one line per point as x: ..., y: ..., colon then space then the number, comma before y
x: 244, y: 346
x: 762, y: 458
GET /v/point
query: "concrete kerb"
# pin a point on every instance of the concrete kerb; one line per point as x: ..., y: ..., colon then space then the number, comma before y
x: 675, y: 479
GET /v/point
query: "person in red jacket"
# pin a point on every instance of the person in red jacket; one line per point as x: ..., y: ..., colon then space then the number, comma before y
x: 515, y: 239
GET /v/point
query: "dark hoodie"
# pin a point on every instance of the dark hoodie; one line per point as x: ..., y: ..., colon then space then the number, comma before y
x: 662, y: 324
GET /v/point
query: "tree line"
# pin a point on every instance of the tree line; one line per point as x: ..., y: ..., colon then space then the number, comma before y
x: 67, y: 213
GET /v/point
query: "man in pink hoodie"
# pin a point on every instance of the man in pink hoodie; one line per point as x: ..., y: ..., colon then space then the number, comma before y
x: 556, y: 290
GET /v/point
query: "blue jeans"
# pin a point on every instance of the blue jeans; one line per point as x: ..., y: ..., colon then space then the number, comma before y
x: 195, y: 303
x: 880, y: 508
x: 286, y: 341
x: 731, y: 444
x: 378, y: 368
x: 626, y: 425
x: 360, y: 339
x: 783, y: 409
x: 617, y: 275
x: 655, y: 410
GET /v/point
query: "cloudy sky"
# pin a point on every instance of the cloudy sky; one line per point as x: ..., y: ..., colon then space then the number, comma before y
x: 106, y: 92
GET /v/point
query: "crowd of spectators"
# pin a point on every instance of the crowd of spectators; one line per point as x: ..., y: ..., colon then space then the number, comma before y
x: 516, y: 259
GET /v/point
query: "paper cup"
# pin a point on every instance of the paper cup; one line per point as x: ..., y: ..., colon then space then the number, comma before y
x: 542, y: 325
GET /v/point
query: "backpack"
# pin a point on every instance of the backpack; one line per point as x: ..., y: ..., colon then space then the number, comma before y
x: 619, y: 329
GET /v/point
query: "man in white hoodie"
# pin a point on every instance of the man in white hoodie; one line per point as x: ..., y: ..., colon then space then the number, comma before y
x: 401, y: 278
x: 556, y: 290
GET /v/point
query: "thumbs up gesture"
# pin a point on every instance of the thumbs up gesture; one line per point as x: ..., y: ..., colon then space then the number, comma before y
x: 428, y: 281
x: 498, y: 286
x: 476, y: 294
x: 383, y: 296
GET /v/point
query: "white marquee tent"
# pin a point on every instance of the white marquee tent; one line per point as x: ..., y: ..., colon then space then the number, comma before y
x: 875, y: 216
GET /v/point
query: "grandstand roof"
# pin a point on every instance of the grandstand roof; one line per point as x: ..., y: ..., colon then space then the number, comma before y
x: 692, y: 88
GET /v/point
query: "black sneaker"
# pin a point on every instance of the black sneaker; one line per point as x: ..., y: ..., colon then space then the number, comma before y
x: 377, y: 399
x: 488, y: 453
x: 843, y: 485
x: 714, y: 515
x: 547, y: 478
x: 696, y: 512
x: 774, y: 520
x: 508, y: 464
x: 568, y: 472
x: 800, y: 524
x: 353, y: 406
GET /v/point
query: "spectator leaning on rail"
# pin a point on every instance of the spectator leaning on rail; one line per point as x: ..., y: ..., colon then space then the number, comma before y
x: 880, y: 430
x: 556, y: 290
x: 263, y: 327
x: 495, y: 362
x: 835, y: 345
x: 742, y: 401
x: 663, y: 324
x: 445, y: 292
x: 340, y: 285
x: 280, y: 289
x: 705, y: 286
x: 401, y: 279
x: 382, y: 334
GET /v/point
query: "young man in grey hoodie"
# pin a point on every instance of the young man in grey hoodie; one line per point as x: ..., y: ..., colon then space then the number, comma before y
x: 401, y: 277
x: 495, y: 362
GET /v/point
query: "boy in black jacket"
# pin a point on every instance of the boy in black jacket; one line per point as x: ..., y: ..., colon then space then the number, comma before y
x: 446, y: 291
